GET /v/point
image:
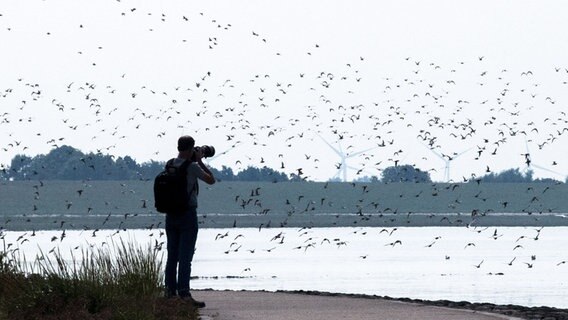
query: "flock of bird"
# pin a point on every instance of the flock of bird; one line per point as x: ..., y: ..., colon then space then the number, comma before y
x: 275, y: 117
x: 309, y: 239
x: 305, y: 240
x: 276, y: 120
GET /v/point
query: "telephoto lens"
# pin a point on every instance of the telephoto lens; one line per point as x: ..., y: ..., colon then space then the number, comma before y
x: 208, y: 151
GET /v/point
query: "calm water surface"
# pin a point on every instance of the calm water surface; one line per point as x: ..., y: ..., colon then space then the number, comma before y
x: 504, y: 265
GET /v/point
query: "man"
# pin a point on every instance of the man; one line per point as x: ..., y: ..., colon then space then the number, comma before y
x: 181, y: 228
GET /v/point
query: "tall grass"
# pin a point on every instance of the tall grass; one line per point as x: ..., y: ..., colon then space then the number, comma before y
x: 117, y: 281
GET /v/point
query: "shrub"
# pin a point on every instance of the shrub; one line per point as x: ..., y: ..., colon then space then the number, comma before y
x: 120, y: 281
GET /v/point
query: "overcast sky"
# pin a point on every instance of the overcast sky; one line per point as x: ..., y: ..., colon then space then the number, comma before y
x: 267, y: 82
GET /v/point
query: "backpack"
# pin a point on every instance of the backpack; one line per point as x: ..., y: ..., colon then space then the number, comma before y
x: 170, y: 188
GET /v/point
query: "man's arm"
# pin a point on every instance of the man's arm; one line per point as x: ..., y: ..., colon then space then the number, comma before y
x: 208, y: 176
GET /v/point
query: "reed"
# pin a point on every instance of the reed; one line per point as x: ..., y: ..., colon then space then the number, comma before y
x: 117, y: 281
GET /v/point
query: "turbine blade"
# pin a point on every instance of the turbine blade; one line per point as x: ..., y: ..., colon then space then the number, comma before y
x: 548, y: 170
x: 359, y: 152
x: 339, y: 153
x: 527, y: 146
x: 459, y: 154
x: 221, y: 154
x: 337, y: 174
x: 433, y: 151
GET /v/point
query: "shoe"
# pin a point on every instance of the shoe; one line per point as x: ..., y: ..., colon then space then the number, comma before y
x: 195, y: 303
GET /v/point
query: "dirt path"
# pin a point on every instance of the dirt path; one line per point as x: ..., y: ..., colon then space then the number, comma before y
x: 251, y: 305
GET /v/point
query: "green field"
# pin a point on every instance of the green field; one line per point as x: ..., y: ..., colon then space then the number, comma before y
x: 27, y: 205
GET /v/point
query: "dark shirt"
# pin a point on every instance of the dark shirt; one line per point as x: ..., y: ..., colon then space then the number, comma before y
x: 194, y: 172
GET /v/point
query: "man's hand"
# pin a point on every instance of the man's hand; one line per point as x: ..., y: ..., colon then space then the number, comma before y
x: 198, y: 155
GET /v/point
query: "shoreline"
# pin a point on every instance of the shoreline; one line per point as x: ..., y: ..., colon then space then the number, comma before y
x: 54, y: 222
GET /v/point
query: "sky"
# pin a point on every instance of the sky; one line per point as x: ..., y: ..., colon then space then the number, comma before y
x: 476, y: 85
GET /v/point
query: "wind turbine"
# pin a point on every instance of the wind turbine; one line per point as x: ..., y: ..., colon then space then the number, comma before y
x: 215, y: 157
x: 343, y: 166
x: 447, y: 160
x: 530, y: 163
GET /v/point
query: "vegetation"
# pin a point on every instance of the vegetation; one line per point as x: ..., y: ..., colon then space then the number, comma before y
x: 405, y: 173
x: 67, y: 163
x: 119, y: 282
x: 512, y: 176
x: 250, y: 174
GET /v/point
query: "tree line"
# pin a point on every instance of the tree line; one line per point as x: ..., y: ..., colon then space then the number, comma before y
x: 68, y: 163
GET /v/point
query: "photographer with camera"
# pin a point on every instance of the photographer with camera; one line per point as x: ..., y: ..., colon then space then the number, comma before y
x: 182, y: 227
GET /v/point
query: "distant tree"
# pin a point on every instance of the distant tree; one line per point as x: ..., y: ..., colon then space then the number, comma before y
x: 372, y: 179
x: 510, y: 175
x: 225, y: 174
x: 149, y: 170
x: 296, y: 178
x: 4, y: 172
x: 68, y: 163
x: 127, y: 162
x: 18, y: 167
x: 404, y: 173
x: 54, y: 164
x: 262, y: 174
x: 514, y: 175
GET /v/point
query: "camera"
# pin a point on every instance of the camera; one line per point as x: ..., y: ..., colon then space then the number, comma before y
x: 207, y: 151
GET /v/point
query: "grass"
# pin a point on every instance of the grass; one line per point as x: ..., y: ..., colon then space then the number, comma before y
x: 120, y: 281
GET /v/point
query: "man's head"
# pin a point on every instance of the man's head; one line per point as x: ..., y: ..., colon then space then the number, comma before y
x: 185, y: 143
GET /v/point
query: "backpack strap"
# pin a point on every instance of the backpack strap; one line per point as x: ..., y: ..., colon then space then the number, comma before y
x: 169, y: 163
x: 183, y: 167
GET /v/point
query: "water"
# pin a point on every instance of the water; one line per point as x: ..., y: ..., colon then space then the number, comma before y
x: 503, y: 265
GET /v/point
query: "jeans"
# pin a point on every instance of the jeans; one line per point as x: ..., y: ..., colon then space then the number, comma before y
x: 181, y: 233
